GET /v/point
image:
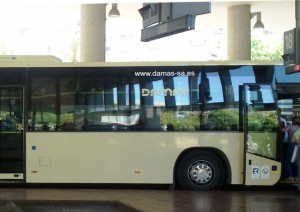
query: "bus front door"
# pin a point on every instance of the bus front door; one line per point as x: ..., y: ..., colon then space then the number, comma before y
x: 261, y: 125
x: 11, y: 133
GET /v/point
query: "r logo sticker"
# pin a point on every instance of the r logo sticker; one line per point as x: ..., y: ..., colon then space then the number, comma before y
x: 255, y: 172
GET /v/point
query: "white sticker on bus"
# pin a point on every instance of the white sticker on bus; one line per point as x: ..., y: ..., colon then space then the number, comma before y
x: 265, y: 172
x: 255, y: 172
x: 260, y: 172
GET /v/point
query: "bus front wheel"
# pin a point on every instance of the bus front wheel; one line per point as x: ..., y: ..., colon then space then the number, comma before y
x: 200, y: 170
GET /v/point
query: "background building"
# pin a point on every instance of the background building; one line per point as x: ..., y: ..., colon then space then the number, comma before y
x: 54, y: 29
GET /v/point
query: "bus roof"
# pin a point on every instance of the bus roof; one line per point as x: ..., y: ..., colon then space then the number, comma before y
x: 52, y: 61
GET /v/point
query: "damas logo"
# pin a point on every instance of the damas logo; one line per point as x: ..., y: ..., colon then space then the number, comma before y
x: 165, y: 92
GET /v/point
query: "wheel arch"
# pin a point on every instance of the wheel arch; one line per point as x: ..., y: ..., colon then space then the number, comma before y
x: 221, y: 155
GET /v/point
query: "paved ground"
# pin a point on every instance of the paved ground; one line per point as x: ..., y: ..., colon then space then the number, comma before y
x: 129, y: 198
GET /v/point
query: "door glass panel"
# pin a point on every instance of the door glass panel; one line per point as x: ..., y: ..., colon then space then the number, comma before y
x: 261, y: 121
x: 11, y: 130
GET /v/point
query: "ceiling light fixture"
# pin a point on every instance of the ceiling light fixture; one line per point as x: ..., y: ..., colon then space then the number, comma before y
x: 258, y: 24
x: 114, y: 12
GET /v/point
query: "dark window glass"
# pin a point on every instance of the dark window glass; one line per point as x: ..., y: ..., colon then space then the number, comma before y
x: 220, y: 91
x: 68, y: 103
x: 170, y: 103
x: 12, y: 76
x: 42, y: 116
x: 138, y: 98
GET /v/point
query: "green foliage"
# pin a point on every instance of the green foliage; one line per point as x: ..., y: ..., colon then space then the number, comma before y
x: 189, y: 122
x: 66, y: 118
x: 262, y: 122
x: 260, y: 51
x: 223, y: 119
x: 46, y: 117
x: 255, y: 121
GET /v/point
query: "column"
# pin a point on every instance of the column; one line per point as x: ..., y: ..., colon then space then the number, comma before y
x: 92, y: 32
x: 239, y: 33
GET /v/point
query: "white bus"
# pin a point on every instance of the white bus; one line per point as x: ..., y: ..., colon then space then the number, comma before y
x: 195, y: 125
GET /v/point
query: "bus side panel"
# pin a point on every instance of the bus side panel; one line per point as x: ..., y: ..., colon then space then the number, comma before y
x: 261, y: 171
x: 115, y: 157
x: 232, y: 144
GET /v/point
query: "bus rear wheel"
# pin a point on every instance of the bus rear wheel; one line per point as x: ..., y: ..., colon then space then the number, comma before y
x: 200, y: 170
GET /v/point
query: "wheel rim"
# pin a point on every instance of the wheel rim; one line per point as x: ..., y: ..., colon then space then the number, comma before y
x: 201, y: 173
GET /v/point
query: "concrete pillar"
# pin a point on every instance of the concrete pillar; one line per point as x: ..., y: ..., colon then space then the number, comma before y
x: 239, y: 33
x: 92, y: 32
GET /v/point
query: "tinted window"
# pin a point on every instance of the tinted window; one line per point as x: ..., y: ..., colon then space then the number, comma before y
x: 139, y: 98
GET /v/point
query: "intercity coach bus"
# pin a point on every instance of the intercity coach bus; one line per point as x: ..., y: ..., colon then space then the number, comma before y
x: 198, y: 126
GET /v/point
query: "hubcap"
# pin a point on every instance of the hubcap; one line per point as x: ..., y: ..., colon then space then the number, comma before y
x: 201, y: 172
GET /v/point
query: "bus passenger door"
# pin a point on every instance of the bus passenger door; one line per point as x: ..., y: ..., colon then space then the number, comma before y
x: 11, y: 133
x: 261, y: 125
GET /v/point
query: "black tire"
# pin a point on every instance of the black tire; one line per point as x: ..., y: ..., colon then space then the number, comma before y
x: 200, y: 170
